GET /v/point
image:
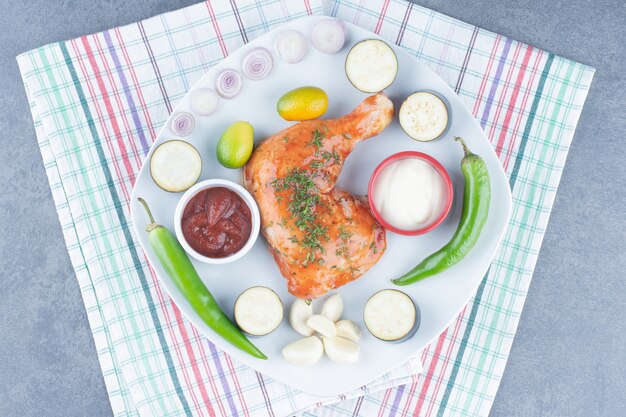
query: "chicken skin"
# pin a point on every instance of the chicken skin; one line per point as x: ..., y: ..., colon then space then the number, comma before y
x: 321, y: 237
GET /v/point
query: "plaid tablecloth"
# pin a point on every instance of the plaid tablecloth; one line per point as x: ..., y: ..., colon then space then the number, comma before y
x: 97, y: 103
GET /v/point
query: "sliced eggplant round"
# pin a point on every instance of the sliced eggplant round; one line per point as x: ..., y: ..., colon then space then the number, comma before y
x: 424, y: 116
x: 175, y: 165
x: 391, y: 316
x: 371, y: 65
x: 258, y: 311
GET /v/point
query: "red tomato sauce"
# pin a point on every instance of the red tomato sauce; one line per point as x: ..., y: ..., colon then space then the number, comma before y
x: 216, y: 222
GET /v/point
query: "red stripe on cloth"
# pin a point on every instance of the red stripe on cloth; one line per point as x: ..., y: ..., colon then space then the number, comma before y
x: 109, y: 110
x: 242, y: 398
x: 483, y: 82
x: 414, y: 384
x: 98, y: 113
x: 170, y: 327
x: 192, y: 358
x: 429, y: 374
x: 200, y: 341
x: 307, y: 5
x: 381, y: 17
x: 117, y: 95
x: 502, y: 96
x: 136, y: 84
x: 513, y: 100
x: 203, y: 356
x: 109, y: 145
x: 520, y: 114
x: 216, y: 28
x: 385, y: 400
x: 520, y: 117
x: 438, y: 347
x: 447, y: 357
x: 178, y: 317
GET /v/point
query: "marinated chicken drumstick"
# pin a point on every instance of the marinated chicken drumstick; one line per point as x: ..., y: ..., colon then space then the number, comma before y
x: 322, y: 237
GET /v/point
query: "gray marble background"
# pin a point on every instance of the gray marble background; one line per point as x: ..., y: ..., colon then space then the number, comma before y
x: 569, y: 356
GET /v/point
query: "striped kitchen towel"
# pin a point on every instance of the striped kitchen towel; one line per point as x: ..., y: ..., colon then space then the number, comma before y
x: 97, y: 103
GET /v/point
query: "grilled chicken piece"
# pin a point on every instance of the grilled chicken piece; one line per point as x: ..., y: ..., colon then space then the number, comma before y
x: 322, y: 237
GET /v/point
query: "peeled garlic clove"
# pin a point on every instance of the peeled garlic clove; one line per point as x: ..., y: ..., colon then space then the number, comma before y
x: 348, y: 329
x: 305, y: 351
x: 299, y: 314
x: 323, y: 325
x: 341, y: 350
x: 333, y: 307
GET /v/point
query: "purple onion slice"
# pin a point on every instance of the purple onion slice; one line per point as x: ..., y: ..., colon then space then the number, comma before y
x: 228, y: 83
x: 182, y: 124
x: 258, y: 64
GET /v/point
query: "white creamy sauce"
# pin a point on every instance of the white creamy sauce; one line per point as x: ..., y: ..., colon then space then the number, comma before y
x: 409, y: 194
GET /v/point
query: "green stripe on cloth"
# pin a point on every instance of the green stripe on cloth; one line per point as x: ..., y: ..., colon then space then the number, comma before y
x: 531, y: 119
x: 481, y: 288
x: 122, y: 219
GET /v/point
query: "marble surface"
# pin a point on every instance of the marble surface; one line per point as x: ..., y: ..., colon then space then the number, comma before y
x: 569, y: 356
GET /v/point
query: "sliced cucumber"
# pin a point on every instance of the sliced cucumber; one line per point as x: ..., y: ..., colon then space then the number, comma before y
x: 258, y: 311
x: 424, y: 116
x: 371, y: 65
x: 175, y: 166
x: 390, y: 315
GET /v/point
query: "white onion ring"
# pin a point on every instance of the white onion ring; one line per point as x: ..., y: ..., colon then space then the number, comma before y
x: 258, y: 64
x: 329, y: 35
x: 291, y: 46
x: 228, y: 83
x: 182, y: 124
x: 204, y: 101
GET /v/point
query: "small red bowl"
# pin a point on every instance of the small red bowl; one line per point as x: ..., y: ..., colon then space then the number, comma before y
x: 438, y: 167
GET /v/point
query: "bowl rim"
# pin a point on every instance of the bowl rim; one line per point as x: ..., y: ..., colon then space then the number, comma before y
x: 246, y: 197
x: 437, y: 166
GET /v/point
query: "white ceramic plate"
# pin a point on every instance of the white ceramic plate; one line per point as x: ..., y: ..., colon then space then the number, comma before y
x: 440, y: 298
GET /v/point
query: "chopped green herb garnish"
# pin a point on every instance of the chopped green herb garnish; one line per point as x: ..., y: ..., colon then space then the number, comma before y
x: 317, y: 164
x: 303, y: 200
x: 342, y: 251
x: 317, y: 138
x: 373, y: 247
x: 344, y: 234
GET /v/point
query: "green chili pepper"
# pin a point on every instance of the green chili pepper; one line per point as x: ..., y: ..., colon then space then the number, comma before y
x: 473, y: 217
x: 181, y: 271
